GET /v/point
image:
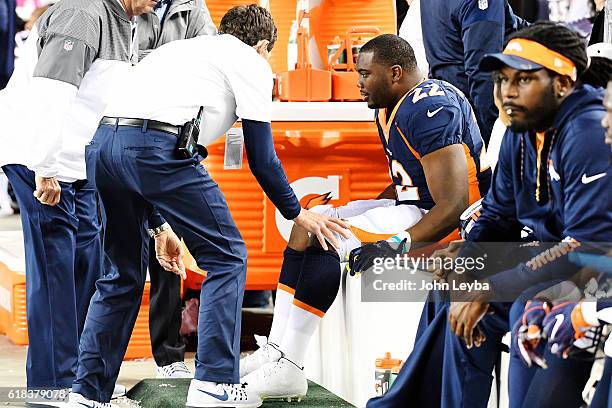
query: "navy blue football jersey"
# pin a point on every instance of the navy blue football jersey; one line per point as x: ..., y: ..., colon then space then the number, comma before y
x: 431, y: 116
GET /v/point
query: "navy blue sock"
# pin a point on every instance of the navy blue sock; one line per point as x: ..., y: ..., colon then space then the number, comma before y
x: 320, y: 278
x: 291, y: 268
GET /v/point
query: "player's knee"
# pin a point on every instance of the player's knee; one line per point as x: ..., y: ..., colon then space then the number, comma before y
x: 320, y: 279
x: 313, y: 242
x: 298, y: 240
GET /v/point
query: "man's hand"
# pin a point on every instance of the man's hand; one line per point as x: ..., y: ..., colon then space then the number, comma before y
x: 48, y: 190
x: 169, y: 252
x: 362, y: 258
x: 323, y: 227
x: 451, y: 251
x: 463, y: 318
x: 528, y: 332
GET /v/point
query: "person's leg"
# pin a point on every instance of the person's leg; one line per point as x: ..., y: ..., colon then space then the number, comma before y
x: 89, y: 253
x: 165, y: 315
x: 435, y: 303
x: 291, y: 268
x: 114, y: 306
x: 196, y: 209
x: 603, y: 394
x: 49, y: 238
x: 293, y: 257
x: 467, y: 373
x: 319, y: 281
x: 192, y: 203
x: 316, y: 291
x: 561, y: 384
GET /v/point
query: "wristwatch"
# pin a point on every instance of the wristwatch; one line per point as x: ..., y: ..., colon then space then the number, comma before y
x: 153, y: 232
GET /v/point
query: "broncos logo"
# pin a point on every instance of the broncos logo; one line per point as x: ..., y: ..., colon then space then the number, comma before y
x: 313, y: 201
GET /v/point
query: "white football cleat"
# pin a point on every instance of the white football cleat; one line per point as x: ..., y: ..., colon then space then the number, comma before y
x: 204, y: 394
x: 174, y: 370
x: 281, y: 379
x: 78, y: 401
x: 266, y: 353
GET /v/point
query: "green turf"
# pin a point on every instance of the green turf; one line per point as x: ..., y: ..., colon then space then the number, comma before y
x: 160, y: 393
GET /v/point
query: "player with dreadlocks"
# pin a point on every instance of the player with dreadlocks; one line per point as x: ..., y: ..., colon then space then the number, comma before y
x: 553, y: 177
x: 572, y: 325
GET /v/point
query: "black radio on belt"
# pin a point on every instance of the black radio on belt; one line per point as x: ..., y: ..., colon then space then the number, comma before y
x: 187, y: 145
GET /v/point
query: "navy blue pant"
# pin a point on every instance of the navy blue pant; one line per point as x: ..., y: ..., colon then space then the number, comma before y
x: 134, y: 171
x: 603, y: 393
x: 63, y: 255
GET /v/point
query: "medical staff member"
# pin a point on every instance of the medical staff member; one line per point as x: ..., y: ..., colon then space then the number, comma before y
x: 171, y: 20
x: 457, y: 33
x: 134, y: 164
x: 49, y: 112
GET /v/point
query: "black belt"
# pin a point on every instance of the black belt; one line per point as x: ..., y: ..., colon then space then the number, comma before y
x: 140, y: 123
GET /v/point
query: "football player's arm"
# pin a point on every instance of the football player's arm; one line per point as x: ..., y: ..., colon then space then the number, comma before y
x: 586, y: 177
x: 446, y: 173
x: 482, y: 32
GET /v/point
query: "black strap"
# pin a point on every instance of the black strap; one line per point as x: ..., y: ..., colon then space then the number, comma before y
x: 139, y: 123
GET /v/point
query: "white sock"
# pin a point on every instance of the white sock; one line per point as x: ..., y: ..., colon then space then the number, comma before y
x: 301, y: 325
x: 282, y: 307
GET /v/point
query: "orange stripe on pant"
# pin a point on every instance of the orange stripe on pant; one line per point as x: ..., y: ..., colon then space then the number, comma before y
x: 308, y: 308
x: 365, y: 237
x: 286, y: 288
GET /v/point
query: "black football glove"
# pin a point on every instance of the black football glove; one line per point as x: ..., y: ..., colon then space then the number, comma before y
x: 361, y: 259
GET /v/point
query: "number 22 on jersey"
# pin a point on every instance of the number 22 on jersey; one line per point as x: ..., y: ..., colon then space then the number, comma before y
x: 406, y: 191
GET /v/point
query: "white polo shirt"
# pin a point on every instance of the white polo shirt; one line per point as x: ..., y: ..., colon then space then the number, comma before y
x: 221, y: 73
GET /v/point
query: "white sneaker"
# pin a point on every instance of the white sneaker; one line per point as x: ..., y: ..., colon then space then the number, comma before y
x: 280, y: 379
x: 204, y: 394
x: 174, y: 370
x: 78, y: 401
x: 119, y: 391
x: 266, y: 353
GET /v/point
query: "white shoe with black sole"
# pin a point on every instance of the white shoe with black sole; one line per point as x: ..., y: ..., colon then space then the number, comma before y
x: 174, y: 370
x: 281, y: 379
x: 204, y: 394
